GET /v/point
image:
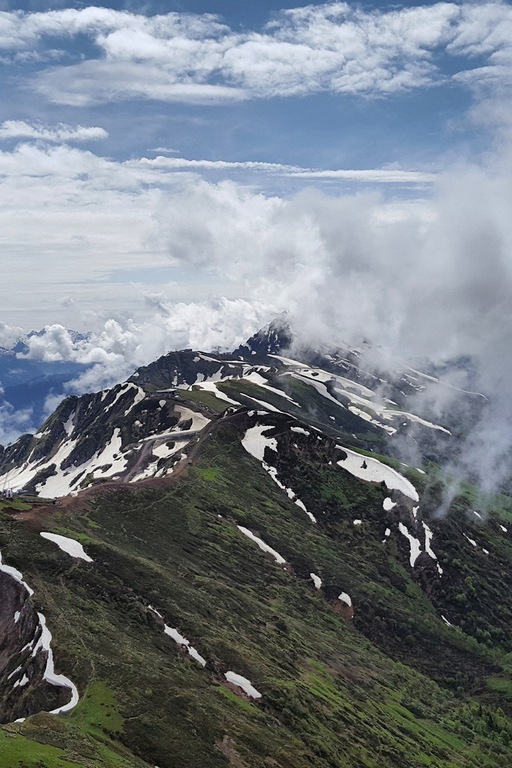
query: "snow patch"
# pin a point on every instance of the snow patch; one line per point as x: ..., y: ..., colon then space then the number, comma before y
x: 139, y: 396
x: 14, y: 672
x: 70, y: 546
x: 300, y: 504
x: 15, y: 574
x: 373, y: 470
x: 261, y: 544
x: 209, y: 386
x: 428, y: 549
x: 68, y: 424
x: 50, y: 675
x: 317, y: 581
x: 243, y: 683
x: 255, y: 443
x: 179, y: 639
x: 199, y: 421
x: 415, y: 545
x: 44, y: 643
x: 260, y: 381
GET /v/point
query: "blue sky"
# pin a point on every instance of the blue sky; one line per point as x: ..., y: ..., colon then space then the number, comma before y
x: 295, y: 117
x: 242, y: 158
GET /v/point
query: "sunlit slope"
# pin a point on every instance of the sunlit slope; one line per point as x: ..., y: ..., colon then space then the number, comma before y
x: 357, y: 666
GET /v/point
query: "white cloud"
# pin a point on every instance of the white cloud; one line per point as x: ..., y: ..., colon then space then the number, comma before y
x: 369, y: 175
x: 408, y: 281
x: 9, y: 335
x: 117, y: 349
x: 171, y: 163
x: 101, y: 81
x: 72, y: 223
x: 14, y: 423
x: 19, y: 129
x: 333, y: 47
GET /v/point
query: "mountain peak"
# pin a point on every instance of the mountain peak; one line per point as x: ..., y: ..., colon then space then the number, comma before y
x: 274, y: 337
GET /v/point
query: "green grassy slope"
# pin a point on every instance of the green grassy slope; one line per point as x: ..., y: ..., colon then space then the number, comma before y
x: 392, y: 687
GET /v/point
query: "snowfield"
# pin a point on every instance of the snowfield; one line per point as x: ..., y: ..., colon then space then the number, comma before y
x: 374, y: 471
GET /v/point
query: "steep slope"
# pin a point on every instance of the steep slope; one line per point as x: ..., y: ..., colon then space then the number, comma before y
x: 246, y: 575
x: 267, y: 606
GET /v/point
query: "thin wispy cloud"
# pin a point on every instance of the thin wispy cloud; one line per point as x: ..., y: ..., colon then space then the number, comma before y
x: 370, y: 175
x: 20, y: 129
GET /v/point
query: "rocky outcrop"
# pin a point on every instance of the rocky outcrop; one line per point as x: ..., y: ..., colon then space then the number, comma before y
x: 24, y: 689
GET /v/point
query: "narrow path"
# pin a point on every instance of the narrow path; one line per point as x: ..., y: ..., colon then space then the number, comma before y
x: 39, y: 515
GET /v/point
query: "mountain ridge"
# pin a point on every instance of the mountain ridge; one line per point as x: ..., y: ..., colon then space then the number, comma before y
x: 161, y: 397
x: 263, y: 587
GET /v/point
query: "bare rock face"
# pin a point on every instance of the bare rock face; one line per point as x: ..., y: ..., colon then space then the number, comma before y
x: 23, y: 690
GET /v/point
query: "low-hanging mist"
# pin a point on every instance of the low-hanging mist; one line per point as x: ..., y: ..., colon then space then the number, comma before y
x: 427, y: 279
x: 422, y: 278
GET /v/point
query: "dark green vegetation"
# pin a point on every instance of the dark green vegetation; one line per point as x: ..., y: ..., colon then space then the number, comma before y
x: 392, y: 687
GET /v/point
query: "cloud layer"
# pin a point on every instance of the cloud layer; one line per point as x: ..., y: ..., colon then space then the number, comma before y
x: 118, y: 348
x: 336, y: 47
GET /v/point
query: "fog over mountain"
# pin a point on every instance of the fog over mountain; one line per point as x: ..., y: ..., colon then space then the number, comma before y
x: 425, y: 279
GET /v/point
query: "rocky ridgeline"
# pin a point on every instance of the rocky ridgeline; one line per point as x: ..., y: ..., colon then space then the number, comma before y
x: 133, y: 430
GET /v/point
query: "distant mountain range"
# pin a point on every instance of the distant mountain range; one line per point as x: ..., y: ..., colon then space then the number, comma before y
x: 26, y: 384
x: 224, y: 561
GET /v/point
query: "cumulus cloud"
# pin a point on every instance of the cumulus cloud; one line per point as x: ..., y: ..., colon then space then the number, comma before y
x: 334, y: 46
x: 74, y: 223
x: 14, y: 422
x: 19, y: 129
x: 118, y: 348
x: 9, y: 335
x: 430, y: 279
